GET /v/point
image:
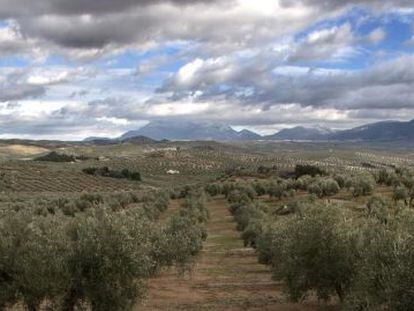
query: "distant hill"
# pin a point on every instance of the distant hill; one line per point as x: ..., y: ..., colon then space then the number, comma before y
x: 159, y: 130
x: 100, y: 141
x: 381, y: 131
x: 248, y: 135
x: 375, y: 132
x: 302, y: 133
x: 96, y: 138
x: 140, y: 140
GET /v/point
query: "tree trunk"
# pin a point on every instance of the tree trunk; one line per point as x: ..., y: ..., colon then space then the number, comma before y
x: 70, y: 300
x: 31, y: 306
x: 339, y: 292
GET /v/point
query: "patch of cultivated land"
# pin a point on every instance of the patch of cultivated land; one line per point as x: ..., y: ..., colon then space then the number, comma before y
x: 225, y: 277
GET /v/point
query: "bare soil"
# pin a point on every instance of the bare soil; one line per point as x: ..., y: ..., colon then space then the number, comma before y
x: 225, y: 277
x: 21, y: 150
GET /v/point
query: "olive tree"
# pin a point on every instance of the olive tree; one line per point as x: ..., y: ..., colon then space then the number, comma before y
x: 362, y: 185
x: 400, y: 193
x: 108, y: 260
x: 384, y: 278
x: 311, y: 252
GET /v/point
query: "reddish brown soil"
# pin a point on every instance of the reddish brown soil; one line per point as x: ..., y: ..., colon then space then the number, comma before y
x: 225, y: 277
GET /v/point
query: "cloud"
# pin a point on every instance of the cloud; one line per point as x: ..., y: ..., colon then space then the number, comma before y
x: 330, y: 5
x: 91, y: 29
x: 387, y: 85
x: 88, y: 29
x: 377, y: 35
x: 12, y: 8
x: 256, y: 63
x: 17, y: 84
x: 325, y: 44
x: 20, y: 91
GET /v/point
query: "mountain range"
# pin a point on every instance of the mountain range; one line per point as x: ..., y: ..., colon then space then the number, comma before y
x: 301, y: 133
x: 159, y: 130
x: 190, y: 130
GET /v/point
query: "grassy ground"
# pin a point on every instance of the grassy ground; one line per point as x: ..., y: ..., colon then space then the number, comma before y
x: 225, y: 277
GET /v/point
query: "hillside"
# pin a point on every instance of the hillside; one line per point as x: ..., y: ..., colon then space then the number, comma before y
x: 172, y: 130
x: 192, y: 131
x: 302, y: 133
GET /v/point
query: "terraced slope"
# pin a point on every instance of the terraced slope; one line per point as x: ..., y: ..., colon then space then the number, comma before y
x: 226, y: 277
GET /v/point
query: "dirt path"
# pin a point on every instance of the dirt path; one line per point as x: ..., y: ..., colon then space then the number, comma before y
x: 226, y: 276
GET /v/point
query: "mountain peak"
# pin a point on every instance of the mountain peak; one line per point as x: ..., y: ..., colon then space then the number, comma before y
x: 190, y: 130
x: 201, y: 130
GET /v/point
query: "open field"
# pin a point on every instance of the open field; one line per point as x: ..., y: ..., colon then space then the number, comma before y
x: 196, y: 162
x: 226, y: 261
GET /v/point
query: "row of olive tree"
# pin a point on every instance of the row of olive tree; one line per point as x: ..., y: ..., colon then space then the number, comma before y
x: 320, y: 186
x: 365, y: 260
x: 99, y: 258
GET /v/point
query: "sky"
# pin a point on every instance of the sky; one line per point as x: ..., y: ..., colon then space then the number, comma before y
x: 72, y: 69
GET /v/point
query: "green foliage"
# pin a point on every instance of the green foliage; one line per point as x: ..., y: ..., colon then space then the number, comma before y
x: 213, y: 189
x: 385, y: 278
x: 303, y: 182
x: 277, y: 189
x: 108, y: 260
x: 56, y: 157
x: 260, y: 188
x: 363, y: 257
x: 107, y: 172
x: 323, y: 186
x: 400, y: 193
x: 362, y: 185
x: 184, y: 239
x: 311, y: 253
x: 99, y: 257
x: 32, y: 256
x: 388, y: 178
x: 306, y: 169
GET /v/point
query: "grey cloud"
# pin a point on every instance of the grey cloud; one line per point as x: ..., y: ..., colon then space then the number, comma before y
x: 14, y: 87
x: 13, y: 8
x: 88, y: 29
x: 114, y: 107
x: 116, y: 24
x: 324, y: 44
x: 388, y: 85
x: 105, y: 26
x: 27, y: 83
x: 335, y: 4
x: 20, y: 91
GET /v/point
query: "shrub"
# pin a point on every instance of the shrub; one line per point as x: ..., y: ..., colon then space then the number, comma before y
x: 276, y: 190
x: 246, y: 214
x: 303, y: 182
x: 322, y: 187
x: 400, y: 193
x: 307, y: 169
x: 184, y: 240
x: 362, y: 185
x: 106, y: 172
x: 388, y: 178
x: 213, y: 189
x: 378, y: 208
x: 56, y: 157
x: 260, y: 188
